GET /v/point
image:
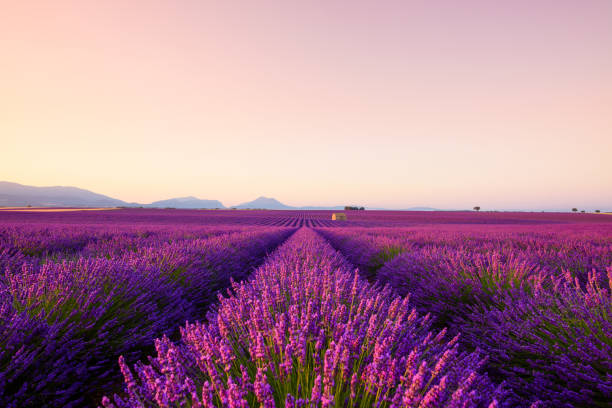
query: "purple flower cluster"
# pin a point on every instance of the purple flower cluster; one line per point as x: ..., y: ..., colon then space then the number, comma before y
x: 65, y: 320
x: 537, y: 303
x: 554, y: 346
x: 306, y: 330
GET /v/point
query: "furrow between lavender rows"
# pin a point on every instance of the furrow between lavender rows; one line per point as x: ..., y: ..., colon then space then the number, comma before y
x: 307, y: 330
x: 65, y: 323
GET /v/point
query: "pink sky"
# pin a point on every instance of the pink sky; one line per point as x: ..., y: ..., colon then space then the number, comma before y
x: 385, y: 104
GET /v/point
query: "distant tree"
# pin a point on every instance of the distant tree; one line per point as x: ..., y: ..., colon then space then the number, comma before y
x: 582, y: 211
x: 477, y: 208
x: 574, y: 209
x: 362, y: 208
x: 597, y: 211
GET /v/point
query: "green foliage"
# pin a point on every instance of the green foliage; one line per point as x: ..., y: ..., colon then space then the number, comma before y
x: 382, y: 257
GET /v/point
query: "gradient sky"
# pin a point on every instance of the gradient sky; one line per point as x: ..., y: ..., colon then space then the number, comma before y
x: 450, y: 104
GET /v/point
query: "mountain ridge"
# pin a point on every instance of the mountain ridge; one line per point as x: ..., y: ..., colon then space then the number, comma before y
x: 15, y: 194
x: 21, y: 195
x: 187, y: 203
x: 264, y: 203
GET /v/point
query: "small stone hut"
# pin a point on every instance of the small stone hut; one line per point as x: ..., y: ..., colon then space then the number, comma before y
x: 339, y: 216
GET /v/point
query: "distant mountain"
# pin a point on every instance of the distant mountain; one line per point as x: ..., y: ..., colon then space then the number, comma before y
x: 265, y: 203
x: 187, y: 202
x: 18, y: 195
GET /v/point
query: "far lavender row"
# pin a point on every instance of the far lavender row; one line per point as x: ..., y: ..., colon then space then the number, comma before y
x: 578, y: 248
x: 64, y: 321
x: 57, y: 241
x: 307, y: 331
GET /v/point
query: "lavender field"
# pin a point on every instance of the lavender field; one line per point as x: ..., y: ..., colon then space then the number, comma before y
x: 192, y: 308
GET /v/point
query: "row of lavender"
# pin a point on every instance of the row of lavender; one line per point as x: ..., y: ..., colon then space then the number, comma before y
x: 21, y: 242
x: 536, y: 301
x: 147, y: 217
x: 75, y: 297
x: 307, y: 330
x: 295, y: 218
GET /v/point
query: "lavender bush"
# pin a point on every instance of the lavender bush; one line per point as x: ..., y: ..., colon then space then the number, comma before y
x: 307, y: 331
x: 554, y: 346
x: 64, y: 323
x: 527, y: 300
